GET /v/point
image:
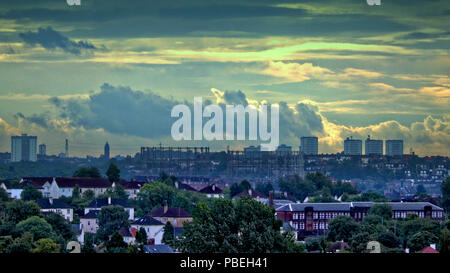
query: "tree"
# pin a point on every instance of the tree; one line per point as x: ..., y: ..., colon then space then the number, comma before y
x: 30, y: 193
x: 19, y: 210
x: 445, y: 188
x: 388, y: 239
x: 110, y: 220
x: 168, y: 235
x: 60, y: 226
x: 37, y: 226
x: 382, y: 210
x: 76, y: 193
x: 420, y: 240
x: 341, y: 228
x: 409, y: 228
x: 87, y: 172
x: 23, y: 244
x: 116, y: 244
x: 264, y: 188
x: 46, y: 245
x: 444, y: 242
x: 3, y: 195
x: 141, y: 236
x: 88, y: 246
x: 113, y: 172
x: 312, y: 243
x: 245, y: 226
x: 155, y: 194
x: 359, y: 242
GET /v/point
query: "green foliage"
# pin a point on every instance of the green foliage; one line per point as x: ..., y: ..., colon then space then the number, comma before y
x: 420, y: 240
x: 110, y: 220
x: 245, y: 226
x: 30, y: 193
x: 141, y: 236
x: 265, y: 188
x: 87, y: 172
x: 341, y: 228
x: 118, y: 192
x: 445, y: 188
x: 444, y: 242
x: 382, y: 210
x: 388, y: 239
x: 46, y: 245
x: 23, y: 244
x: 3, y: 195
x: 19, y: 210
x: 168, y: 235
x: 37, y: 226
x: 312, y: 243
x: 359, y: 241
x: 60, y: 226
x: 410, y: 227
x: 116, y: 244
x: 113, y: 173
x: 89, y: 241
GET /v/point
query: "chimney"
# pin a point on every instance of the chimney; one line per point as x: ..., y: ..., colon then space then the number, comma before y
x: 214, y: 187
x: 271, y: 198
x: 109, y: 200
x: 166, y: 208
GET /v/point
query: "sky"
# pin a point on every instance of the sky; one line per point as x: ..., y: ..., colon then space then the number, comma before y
x: 111, y: 70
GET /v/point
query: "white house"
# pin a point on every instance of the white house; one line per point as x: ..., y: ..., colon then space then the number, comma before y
x: 153, y: 228
x: 56, y: 206
x: 97, y: 204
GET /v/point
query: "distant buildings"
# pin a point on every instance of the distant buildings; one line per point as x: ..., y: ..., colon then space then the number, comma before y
x: 106, y: 154
x: 352, y: 146
x: 67, y: 149
x: 394, y: 147
x: 42, y: 150
x: 373, y: 146
x: 23, y: 148
x: 309, y: 145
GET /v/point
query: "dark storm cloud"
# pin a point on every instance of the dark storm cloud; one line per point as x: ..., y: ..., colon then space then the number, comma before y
x: 120, y: 110
x: 51, y: 39
x: 38, y: 119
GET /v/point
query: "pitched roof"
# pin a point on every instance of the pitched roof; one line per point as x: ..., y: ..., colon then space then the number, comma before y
x: 131, y: 185
x: 53, y: 204
x: 213, y: 189
x: 429, y: 249
x: 71, y: 182
x: 345, y: 206
x: 171, y: 212
x: 184, y: 186
x: 158, y: 249
x: 98, y: 203
x: 147, y: 221
x: 92, y: 214
x: 254, y: 193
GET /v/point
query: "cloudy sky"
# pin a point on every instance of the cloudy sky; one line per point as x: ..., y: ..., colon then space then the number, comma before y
x: 111, y: 70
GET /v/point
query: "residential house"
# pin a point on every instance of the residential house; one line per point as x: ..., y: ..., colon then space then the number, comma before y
x: 89, y: 221
x: 56, y: 187
x: 212, y: 191
x: 153, y: 228
x: 256, y: 195
x: 127, y: 235
x: 56, y: 206
x: 176, y: 216
x: 97, y: 204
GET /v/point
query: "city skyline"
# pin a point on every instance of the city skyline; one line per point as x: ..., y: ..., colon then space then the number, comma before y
x: 103, y: 71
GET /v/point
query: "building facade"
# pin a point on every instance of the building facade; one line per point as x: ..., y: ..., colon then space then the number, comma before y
x: 23, y: 148
x: 352, y: 146
x: 394, y: 147
x: 311, y: 219
x: 309, y: 145
x: 373, y: 146
x: 42, y: 150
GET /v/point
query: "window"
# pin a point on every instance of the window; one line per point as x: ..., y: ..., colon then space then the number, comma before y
x: 295, y: 224
x: 322, y: 225
x: 302, y: 225
x: 302, y: 215
x: 322, y: 215
x: 315, y: 215
x: 295, y: 216
x: 315, y: 225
